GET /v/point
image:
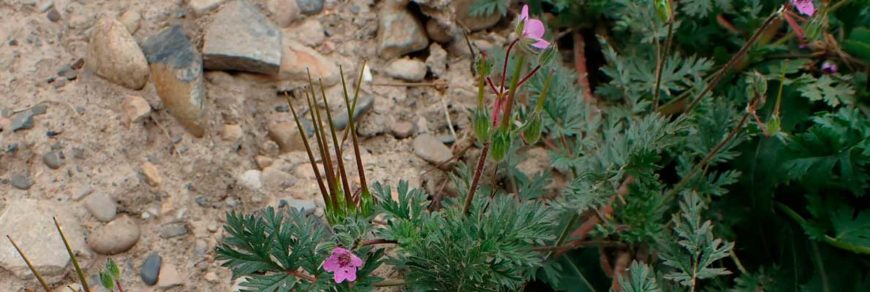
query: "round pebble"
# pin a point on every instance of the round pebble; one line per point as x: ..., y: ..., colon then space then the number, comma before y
x: 151, y: 269
x: 115, y: 237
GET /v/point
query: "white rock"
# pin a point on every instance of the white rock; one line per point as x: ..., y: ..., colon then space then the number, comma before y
x: 407, y: 69
x: 252, y: 179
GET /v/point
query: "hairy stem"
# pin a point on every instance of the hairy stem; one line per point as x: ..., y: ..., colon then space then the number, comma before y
x: 477, y: 173
x: 580, y: 66
x: 662, y: 62
x: 734, y: 59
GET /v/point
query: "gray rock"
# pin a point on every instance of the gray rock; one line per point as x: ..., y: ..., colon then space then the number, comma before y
x: 242, y: 39
x: 176, y: 68
x: 53, y: 159
x: 102, y: 206
x: 22, y: 121
x: 53, y: 15
x: 29, y: 223
x: 437, y: 60
x: 364, y: 104
x: 115, y: 237
x: 399, y: 32
x: 20, y: 181
x: 407, y: 69
x: 66, y: 71
x: 276, y: 179
x: 438, y: 32
x: 114, y: 55
x: 310, y: 7
x: 150, y: 269
x: 431, y: 149
x: 39, y: 109
x: 175, y: 229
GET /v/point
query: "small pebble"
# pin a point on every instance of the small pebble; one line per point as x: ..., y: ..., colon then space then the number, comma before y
x: 53, y: 159
x: 66, y: 71
x: 431, y: 149
x: 150, y: 269
x: 202, y: 201
x: 20, y: 181
x: 102, y: 206
x: 402, y: 129
x: 115, y: 237
x: 282, y: 108
x: 39, y: 109
x: 172, y: 230
x: 53, y: 15
x: 169, y: 277
x: 310, y: 7
x: 152, y: 176
x: 22, y: 121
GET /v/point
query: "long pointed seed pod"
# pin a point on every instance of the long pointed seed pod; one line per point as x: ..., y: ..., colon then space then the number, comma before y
x: 304, y: 135
x: 350, y: 109
x: 72, y: 257
x: 321, y: 143
x: 29, y: 265
x: 338, y: 157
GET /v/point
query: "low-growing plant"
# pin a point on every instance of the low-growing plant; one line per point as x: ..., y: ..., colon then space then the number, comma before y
x: 722, y: 145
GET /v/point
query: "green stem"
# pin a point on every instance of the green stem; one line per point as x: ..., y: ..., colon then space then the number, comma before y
x: 29, y: 265
x: 515, y: 79
x: 564, y: 234
x: 72, y: 256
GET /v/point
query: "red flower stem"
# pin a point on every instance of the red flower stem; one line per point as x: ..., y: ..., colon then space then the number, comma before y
x: 492, y: 86
x: 118, y: 283
x: 529, y: 76
x: 477, y: 172
x: 301, y: 275
x: 507, y: 57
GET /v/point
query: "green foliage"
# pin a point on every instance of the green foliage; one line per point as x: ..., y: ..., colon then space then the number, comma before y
x: 489, y: 249
x: 825, y: 88
x: 481, y: 8
x: 641, y: 279
x: 110, y: 275
x: 699, y: 250
x: 282, y: 250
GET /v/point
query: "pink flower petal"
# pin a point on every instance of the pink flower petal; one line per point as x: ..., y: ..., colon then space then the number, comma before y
x: 541, y: 44
x: 534, y: 28
x: 524, y: 14
x: 355, y: 261
x: 350, y: 274
x: 805, y: 7
x: 331, y: 264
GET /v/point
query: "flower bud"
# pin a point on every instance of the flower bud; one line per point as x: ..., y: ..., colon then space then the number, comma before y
x: 663, y: 10
x: 501, y: 143
x: 532, y: 129
x: 482, y: 125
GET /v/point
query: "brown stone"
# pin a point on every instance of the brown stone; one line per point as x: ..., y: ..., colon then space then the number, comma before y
x: 152, y: 175
x: 176, y: 68
x: 114, y: 55
x: 135, y: 108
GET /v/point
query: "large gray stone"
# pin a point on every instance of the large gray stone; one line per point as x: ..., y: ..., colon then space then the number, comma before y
x: 116, y: 237
x: 242, y: 39
x: 29, y: 223
x: 176, y: 68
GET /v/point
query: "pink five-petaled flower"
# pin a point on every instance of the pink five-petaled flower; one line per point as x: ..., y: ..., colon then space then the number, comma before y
x: 533, y: 29
x: 805, y: 7
x: 343, y: 263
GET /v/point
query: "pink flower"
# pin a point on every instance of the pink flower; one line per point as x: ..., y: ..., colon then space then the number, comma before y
x: 805, y: 7
x: 829, y: 67
x: 533, y: 29
x: 343, y: 263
